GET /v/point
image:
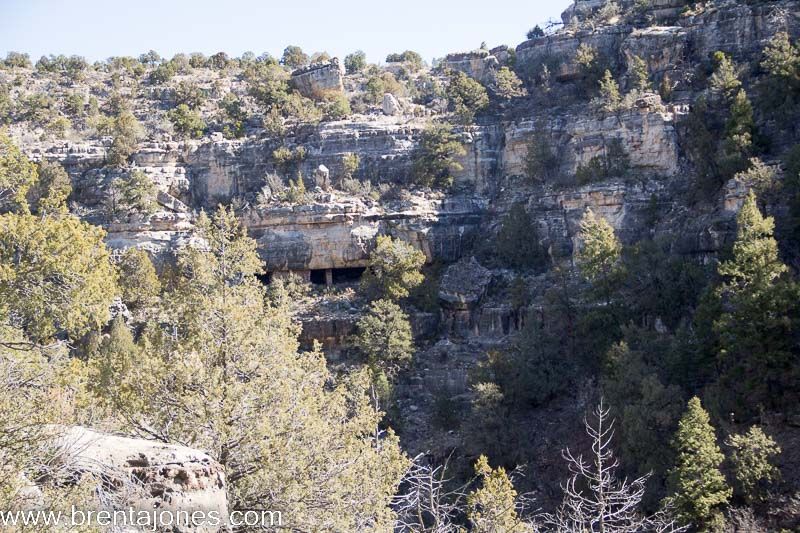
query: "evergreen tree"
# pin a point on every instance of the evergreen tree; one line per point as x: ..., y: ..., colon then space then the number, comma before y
x: 394, y: 269
x: 384, y: 336
x: 49, y: 195
x: 290, y: 437
x: 435, y: 157
x: 492, y: 508
x: 700, y: 490
x: 751, y: 457
x: 724, y: 82
x: 466, y: 97
x: 56, y: 276
x: 17, y: 176
x: 610, y: 99
x: 517, y: 241
x: 757, y: 366
x: 127, y: 131
x: 640, y: 76
x: 599, y: 255
x: 138, y: 279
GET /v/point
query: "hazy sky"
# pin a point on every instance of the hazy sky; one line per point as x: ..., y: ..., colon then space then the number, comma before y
x: 98, y: 29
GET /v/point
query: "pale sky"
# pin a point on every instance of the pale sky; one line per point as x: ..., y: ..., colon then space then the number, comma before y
x: 98, y: 29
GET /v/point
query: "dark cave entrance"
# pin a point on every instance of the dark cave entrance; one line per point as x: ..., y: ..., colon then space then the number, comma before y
x: 333, y: 276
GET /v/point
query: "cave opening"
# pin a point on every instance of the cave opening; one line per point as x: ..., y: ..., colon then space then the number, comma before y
x: 318, y: 277
x: 348, y: 275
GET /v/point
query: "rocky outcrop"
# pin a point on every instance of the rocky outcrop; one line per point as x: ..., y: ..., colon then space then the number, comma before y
x: 478, y: 64
x: 147, y: 475
x: 318, y: 79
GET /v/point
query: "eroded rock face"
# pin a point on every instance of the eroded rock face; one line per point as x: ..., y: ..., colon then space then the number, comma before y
x: 154, y: 475
x: 478, y: 64
x: 319, y: 78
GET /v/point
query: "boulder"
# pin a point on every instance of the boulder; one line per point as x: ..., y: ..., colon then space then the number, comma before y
x: 319, y: 78
x: 148, y: 475
x: 464, y: 284
x: 390, y: 105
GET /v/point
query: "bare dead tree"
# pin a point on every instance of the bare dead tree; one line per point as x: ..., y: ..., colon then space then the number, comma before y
x: 428, y: 504
x: 595, y: 499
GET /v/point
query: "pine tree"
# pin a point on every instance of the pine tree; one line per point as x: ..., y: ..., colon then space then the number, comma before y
x: 599, y: 255
x: 517, y: 241
x: 290, y: 436
x: 700, y: 489
x: 640, y: 76
x: 758, y: 322
x: 609, y: 93
x: 492, y: 508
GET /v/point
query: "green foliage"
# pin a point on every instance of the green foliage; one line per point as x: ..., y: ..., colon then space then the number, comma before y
x: 614, y: 162
x: 756, y: 362
x: 394, y: 269
x: 591, y: 67
x: 233, y: 116
x: 190, y: 94
x: 599, y: 255
x: 294, y: 57
x: 17, y: 60
x: 56, y: 276
x: 72, y: 67
x: 350, y: 162
x: 17, y: 176
x: 535, y: 32
x: 335, y: 106
x: 355, y: 62
x: 162, y: 73
x: 751, y: 457
x: 639, y: 74
x: 724, y: 82
x: 700, y: 490
x: 138, y: 280
x: 288, y: 160
x: 412, y: 59
x: 507, y: 84
x: 289, y: 436
x: 535, y: 368
x: 517, y: 242
x: 135, y: 193
x: 541, y: 159
x: 378, y: 85
x: 434, y: 158
x: 384, y: 336
x: 127, y: 132
x: 49, y: 195
x: 466, y: 97
x: 187, y: 122
x: 492, y: 507
x: 610, y: 98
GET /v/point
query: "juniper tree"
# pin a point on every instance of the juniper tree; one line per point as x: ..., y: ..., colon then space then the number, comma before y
x: 394, y: 269
x: 494, y: 506
x: 599, y: 255
x: 700, y: 490
x: 751, y: 456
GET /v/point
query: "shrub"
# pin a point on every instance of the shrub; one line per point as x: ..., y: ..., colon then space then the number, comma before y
x: 507, y: 84
x: 412, y: 59
x: 517, y: 242
x: 127, y: 131
x: 466, y: 97
x: 17, y: 60
x: 614, y: 162
x: 541, y: 160
x: 294, y: 57
x: 187, y: 122
x: 49, y: 194
x: 234, y: 116
x: 135, y: 193
x: 350, y: 164
x: 394, y: 269
x: 434, y: 158
x: 384, y: 336
x: 535, y: 32
x: 190, y: 94
x: 377, y: 86
x: 355, y: 62
x: 751, y: 456
x: 336, y: 106
x: 138, y: 279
